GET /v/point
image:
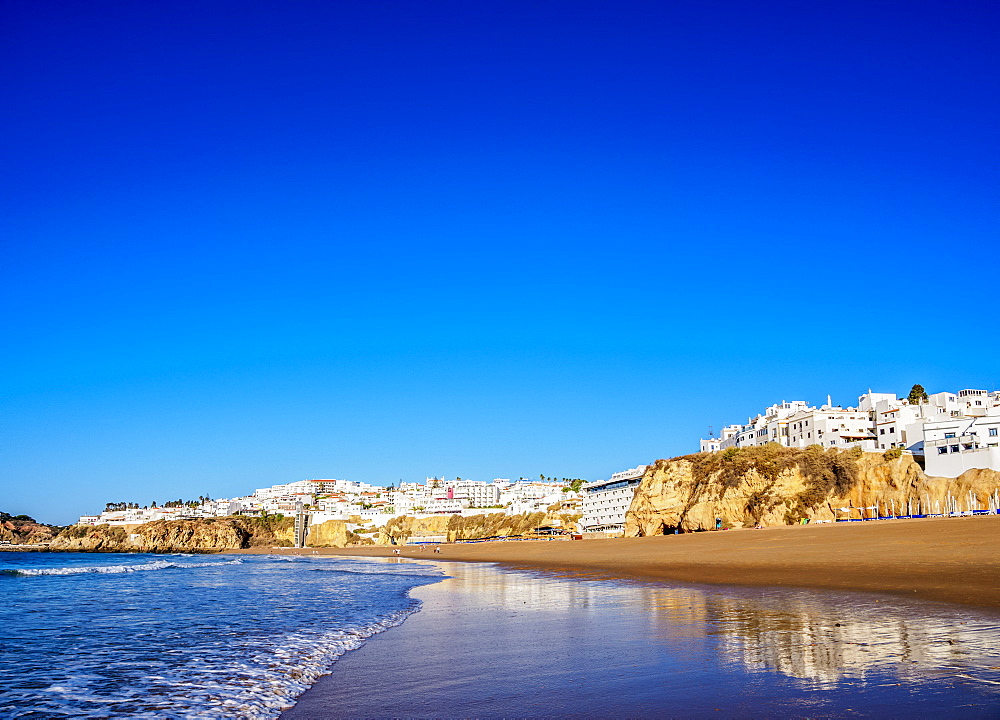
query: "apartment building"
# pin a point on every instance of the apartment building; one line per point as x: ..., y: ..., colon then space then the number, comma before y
x: 605, y: 502
x: 882, y: 421
x: 830, y: 427
x: 953, y: 445
x: 477, y: 493
x: 769, y: 426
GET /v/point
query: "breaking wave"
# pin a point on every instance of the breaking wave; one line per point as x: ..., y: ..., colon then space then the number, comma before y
x: 238, y: 638
x: 112, y: 569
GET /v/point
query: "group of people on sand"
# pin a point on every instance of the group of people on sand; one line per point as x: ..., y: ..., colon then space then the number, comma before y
x: 420, y: 548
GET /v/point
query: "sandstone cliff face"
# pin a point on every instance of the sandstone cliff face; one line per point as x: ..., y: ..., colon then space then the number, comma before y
x: 481, y: 526
x: 399, y: 530
x: 234, y: 533
x: 777, y: 486
x: 162, y: 536
x: 84, y: 538
x: 334, y: 533
x: 26, y: 532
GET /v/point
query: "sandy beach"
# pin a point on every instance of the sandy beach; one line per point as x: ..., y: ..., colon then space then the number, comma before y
x: 953, y: 560
x: 494, y: 641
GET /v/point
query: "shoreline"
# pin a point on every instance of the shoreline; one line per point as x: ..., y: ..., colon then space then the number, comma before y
x: 500, y: 642
x: 950, y: 560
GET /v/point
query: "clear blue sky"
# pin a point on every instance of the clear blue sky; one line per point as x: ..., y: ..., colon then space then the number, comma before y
x: 245, y: 243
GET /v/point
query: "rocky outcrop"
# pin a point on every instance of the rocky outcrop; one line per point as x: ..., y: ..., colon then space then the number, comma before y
x: 772, y: 485
x: 161, y: 536
x: 234, y: 533
x: 22, y: 530
x: 334, y: 533
x: 88, y: 538
x: 400, y: 530
x: 495, y: 525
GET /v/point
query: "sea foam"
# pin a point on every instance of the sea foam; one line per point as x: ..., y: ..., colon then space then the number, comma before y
x: 111, y: 569
x: 235, y: 637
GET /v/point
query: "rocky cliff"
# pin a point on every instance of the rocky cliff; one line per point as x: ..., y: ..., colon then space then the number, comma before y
x: 334, y: 533
x: 234, y: 533
x: 773, y: 485
x: 161, y: 536
x: 399, y: 530
x: 456, y: 527
x: 23, y: 530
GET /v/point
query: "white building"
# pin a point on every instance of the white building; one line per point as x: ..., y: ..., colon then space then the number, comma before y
x: 711, y: 444
x: 796, y: 424
x: 771, y: 426
x: 954, y: 431
x: 714, y: 444
x: 605, y: 502
x: 953, y: 445
x: 477, y: 493
x: 831, y: 427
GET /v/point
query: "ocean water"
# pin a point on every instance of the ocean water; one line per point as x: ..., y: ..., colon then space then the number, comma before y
x: 106, y: 635
x: 223, y: 636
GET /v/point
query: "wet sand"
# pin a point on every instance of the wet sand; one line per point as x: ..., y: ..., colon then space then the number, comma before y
x: 490, y: 642
x: 953, y: 560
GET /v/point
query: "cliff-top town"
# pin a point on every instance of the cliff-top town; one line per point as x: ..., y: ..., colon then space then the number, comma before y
x: 948, y: 432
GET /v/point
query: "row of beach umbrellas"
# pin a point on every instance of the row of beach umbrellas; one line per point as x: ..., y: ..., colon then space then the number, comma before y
x: 966, y: 504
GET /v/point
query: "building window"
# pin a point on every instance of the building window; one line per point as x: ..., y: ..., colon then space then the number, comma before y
x: 954, y: 448
x: 892, y: 430
x: 881, y: 431
x: 993, y: 432
x: 949, y: 435
x: 942, y: 450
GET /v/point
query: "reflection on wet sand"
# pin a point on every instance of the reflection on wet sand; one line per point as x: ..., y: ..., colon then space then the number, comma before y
x: 494, y: 642
x: 820, y: 637
x: 826, y: 640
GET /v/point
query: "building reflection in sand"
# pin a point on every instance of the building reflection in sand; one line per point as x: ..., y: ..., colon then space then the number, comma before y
x: 823, y: 639
x: 808, y: 636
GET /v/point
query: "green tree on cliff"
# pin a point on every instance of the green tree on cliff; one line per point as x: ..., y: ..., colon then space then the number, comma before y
x: 917, y: 395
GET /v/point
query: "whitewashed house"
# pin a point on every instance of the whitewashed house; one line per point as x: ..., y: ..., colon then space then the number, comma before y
x: 953, y: 431
x: 954, y: 445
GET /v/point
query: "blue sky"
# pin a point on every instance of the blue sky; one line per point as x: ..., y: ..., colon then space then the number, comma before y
x: 250, y: 243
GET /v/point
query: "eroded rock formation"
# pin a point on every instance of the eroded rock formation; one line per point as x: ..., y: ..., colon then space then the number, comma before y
x: 235, y: 533
x: 20, y: 531
x: 772, y: 485
x: 161, y: 536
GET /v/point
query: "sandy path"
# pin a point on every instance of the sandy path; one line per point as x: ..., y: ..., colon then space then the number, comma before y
x: 954, y: 560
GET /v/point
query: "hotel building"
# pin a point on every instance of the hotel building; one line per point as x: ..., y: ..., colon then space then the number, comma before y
x: 605, y: 502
